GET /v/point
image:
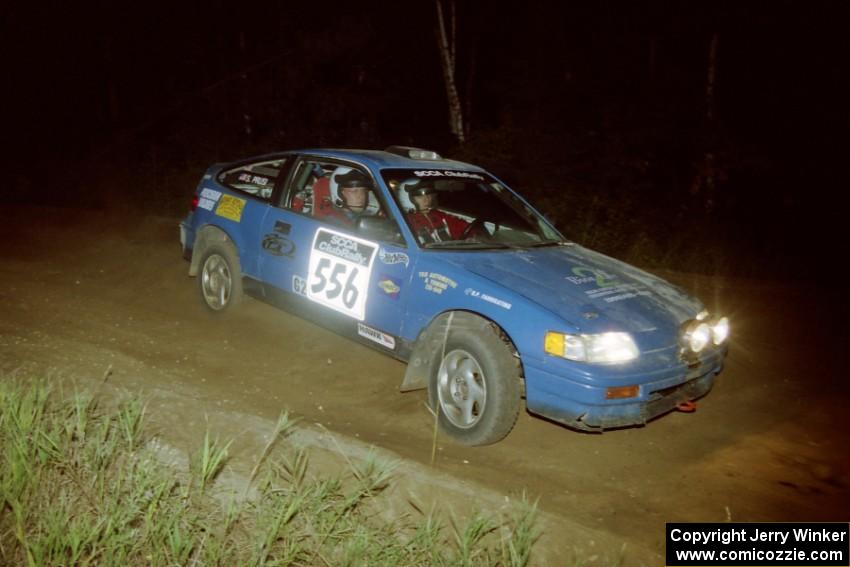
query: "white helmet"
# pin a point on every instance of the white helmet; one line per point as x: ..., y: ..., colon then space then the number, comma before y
x: 410, y: 187
x: 347, y: 177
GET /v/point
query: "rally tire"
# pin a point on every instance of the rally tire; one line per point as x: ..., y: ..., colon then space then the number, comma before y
x: 220, y: 278
x: 475, y: 384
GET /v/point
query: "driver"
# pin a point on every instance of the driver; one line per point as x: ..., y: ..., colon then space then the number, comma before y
x: 351, y: 197
x: 429, y: 221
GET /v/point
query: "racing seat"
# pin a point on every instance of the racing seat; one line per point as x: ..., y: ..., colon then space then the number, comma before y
x: 322, y: 203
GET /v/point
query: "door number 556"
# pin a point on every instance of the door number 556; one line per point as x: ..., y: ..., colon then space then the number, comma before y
x: 348, y: 289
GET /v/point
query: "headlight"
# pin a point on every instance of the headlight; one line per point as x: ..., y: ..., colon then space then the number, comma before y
x: 699, y: 332
x: 605, y: 348
x: 720, y: 331
x: 696, y: 336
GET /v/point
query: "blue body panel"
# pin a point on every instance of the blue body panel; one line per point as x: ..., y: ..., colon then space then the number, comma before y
x: 527, y: 292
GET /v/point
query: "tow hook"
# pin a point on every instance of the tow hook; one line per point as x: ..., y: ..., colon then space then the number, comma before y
x: 687, y: 407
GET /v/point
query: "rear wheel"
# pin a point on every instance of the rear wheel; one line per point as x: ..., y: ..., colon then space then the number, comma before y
x: 220, y: 278
x: 476, y: 385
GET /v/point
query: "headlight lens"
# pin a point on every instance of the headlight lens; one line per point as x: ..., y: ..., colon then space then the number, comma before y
x: 720, y: 331
x: 697, y: 336
x: 700, y: 332
x: 604, y: 348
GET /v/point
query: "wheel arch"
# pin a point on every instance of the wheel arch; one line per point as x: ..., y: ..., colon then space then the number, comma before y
x: 209, y: 234
x: 432, y: 336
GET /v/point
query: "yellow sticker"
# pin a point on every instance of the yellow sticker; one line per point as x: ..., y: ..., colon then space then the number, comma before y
x: 230, y: 208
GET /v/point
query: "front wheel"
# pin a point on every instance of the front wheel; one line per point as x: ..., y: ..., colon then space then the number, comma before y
x: 477, y: 385
x: 220, y: 278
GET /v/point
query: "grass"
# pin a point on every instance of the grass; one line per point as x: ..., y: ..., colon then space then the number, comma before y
x: 81, y: 484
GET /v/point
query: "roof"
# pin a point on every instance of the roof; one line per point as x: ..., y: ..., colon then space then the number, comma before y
x: 385, y: 160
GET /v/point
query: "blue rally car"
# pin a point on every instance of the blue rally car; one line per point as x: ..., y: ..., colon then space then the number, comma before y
x: 440, y: 264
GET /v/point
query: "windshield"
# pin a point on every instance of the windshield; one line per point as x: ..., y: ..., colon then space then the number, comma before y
x: 465, y: 210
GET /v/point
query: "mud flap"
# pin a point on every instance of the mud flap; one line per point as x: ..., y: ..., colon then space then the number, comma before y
x: 430, y: 342
x: 415, y: 378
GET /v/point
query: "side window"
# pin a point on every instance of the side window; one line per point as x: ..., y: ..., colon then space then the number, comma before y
x: 310, y: 190
x: 342, y: 195
x: 255, y: 179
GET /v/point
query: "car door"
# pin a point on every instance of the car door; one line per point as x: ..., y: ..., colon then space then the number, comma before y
x: 286, y: 234
x: 307, y: 250
x: 238, y: 200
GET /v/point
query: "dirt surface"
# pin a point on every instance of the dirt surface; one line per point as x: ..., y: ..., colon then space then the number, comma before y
x: 81, y: 292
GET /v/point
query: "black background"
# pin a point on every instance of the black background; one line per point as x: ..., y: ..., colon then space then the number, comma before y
x: 597, y: 111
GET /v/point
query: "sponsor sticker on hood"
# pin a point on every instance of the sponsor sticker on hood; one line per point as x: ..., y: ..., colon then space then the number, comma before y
x: 608, y: 287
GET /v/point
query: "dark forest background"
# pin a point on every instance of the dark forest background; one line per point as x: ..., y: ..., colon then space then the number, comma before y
x: 597, y: 111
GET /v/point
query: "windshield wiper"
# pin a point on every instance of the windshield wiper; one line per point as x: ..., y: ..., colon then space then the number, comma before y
x: 465, y: 244
x: 550, y: 243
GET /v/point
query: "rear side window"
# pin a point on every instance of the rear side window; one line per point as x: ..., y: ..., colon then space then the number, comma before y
x: 256, y: 179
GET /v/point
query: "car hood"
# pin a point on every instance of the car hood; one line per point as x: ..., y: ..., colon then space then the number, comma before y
x: 591, y: 291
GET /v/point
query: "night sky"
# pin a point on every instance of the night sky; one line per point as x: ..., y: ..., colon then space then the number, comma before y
x: 607, y: 98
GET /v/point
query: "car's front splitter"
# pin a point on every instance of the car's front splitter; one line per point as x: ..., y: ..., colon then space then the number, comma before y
x: 584, y: 407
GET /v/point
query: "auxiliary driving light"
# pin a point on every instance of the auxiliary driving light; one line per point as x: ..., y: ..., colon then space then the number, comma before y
x: 720, y: 331
x: 696, y: 336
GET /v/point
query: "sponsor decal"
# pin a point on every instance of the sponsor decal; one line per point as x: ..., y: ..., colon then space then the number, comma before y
x: 608, y: 287
x: 585, y: 275
x: 394, y: 257
x: 253, y: 179
x: 204, y: 203
x: 501, y: 303
x: 620, y: 292
x: 389, y: 285
x: 345, y: 247
x: 230, y: 207
x: 437, y: 283
x: 299, y: 285
x: 340, y: 269
x: 375, y: 335
x: 208, y: 198
x: 447, y: 173
x: 210, y: 194
x: 277, y: 243
x: 488, y: 298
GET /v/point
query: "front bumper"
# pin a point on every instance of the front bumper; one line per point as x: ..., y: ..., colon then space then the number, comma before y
x: 583, y: 406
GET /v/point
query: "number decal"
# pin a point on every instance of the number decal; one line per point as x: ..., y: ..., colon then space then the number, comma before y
x: 349, y: 296
x: 334, y: 291
x: 348, y: 290
x: 299, y: 285
x: 322, y: 280
x: 339, y: 271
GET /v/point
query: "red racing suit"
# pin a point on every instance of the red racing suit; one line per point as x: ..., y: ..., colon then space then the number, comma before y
x: 436, y: 226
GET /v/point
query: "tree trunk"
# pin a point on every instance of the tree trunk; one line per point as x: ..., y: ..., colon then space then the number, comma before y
x: 709, y: 83
x: 708, y: 170
x: 447, y: 42
x: 470, y: 80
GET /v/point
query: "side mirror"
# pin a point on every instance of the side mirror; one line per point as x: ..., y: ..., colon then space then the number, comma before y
x: 379, y: 228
